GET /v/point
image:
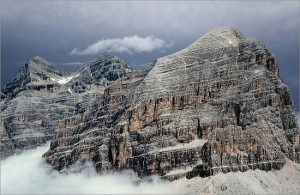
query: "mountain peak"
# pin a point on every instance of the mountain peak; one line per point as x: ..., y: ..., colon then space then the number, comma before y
x: 103, y: 58
x: 225, y: 31
x: 38, y: 61
x: 216, y: 106
x: 103, y: 69
x: 223, y: 36
x: 220, y: 47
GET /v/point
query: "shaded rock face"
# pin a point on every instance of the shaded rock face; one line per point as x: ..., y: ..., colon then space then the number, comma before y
x: 218, y: 105
x: 39, y: 96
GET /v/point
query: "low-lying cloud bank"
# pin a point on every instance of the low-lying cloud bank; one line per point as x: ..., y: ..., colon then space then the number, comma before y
x: 27, y: 173
x: 130, y: 45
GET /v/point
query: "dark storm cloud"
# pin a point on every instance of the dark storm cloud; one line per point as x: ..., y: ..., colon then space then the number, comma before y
x: 52, y: 29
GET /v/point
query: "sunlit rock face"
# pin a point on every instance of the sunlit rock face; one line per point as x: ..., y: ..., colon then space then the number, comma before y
x: 218, y: 105
x: 39, y: 96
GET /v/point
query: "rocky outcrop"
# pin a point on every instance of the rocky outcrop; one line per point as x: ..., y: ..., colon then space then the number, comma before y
x: 218, y: 105
x: 34, y: 102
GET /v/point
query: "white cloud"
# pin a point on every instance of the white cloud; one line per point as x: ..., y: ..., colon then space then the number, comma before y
x: 27, y: 173
x: 130, y: 45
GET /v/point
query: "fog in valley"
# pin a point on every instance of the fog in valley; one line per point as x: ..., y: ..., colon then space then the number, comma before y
x: 27, y: 173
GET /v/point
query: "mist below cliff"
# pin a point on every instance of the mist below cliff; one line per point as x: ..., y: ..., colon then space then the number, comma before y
x: 27, y: 173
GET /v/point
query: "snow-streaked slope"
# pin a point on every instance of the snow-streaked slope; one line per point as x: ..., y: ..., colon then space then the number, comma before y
x: 64, y: 80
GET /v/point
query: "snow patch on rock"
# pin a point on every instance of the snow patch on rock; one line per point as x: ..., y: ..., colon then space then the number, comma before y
x: 64, y: 80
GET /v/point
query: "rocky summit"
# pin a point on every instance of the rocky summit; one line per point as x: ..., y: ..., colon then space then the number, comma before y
x: 218, y: 105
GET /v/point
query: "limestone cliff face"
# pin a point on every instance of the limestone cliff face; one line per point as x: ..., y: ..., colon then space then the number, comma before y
x: 218, y: 105
x: 39, y: 96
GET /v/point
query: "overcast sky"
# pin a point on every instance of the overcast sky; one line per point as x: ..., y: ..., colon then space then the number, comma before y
x: 68, y: 33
